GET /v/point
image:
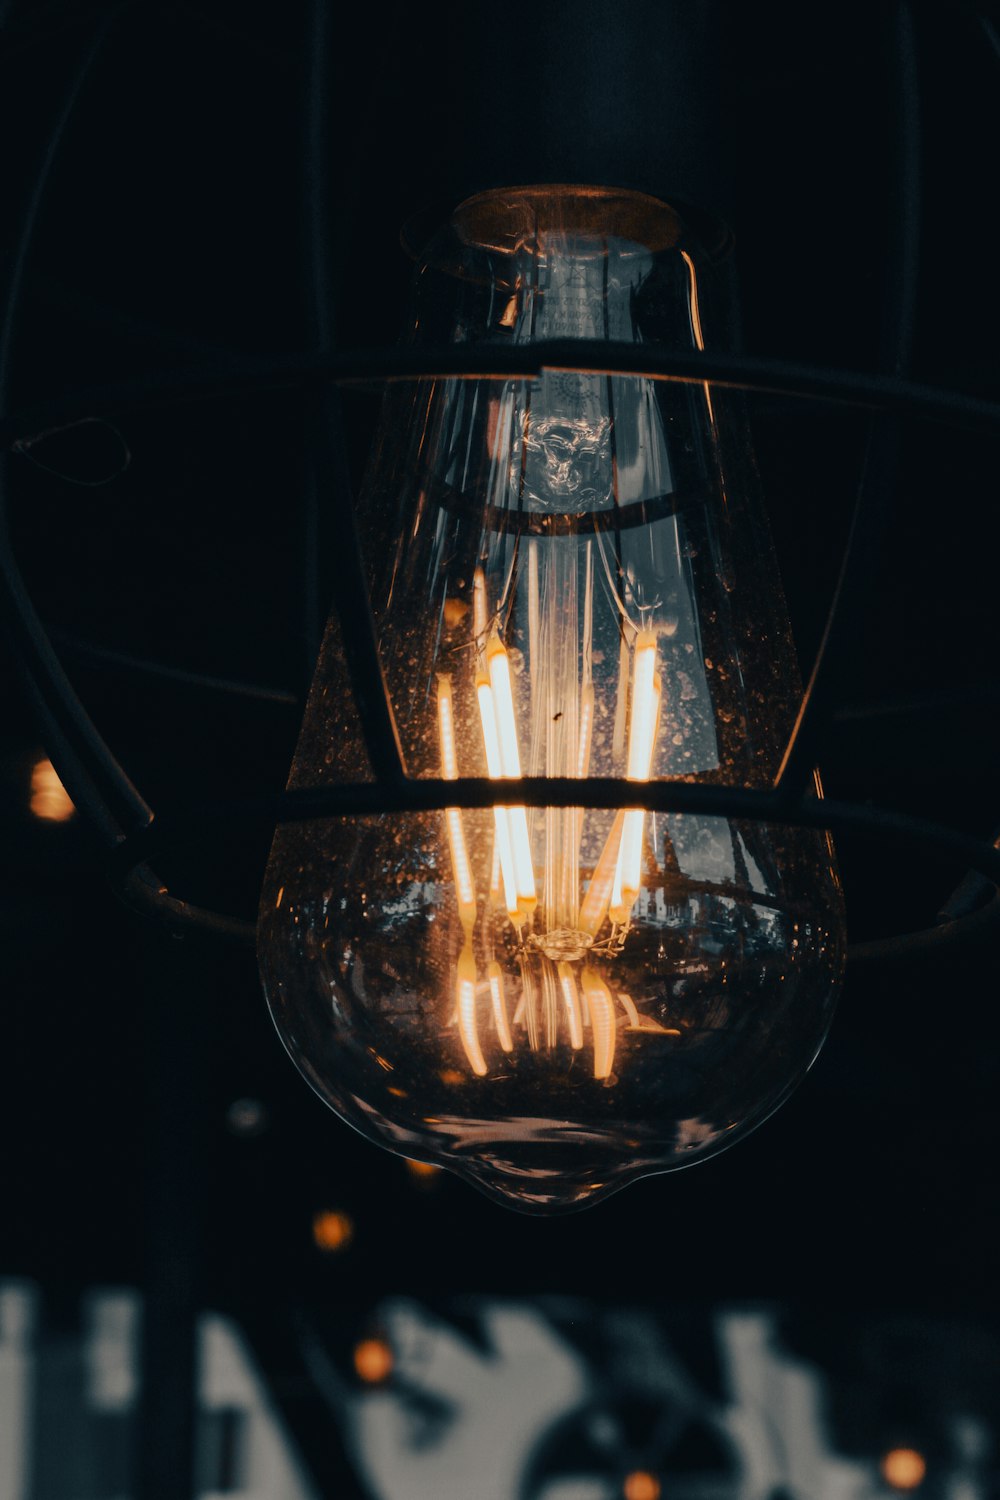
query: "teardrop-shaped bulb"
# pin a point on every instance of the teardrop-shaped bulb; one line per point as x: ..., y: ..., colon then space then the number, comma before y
x: 570, y: 576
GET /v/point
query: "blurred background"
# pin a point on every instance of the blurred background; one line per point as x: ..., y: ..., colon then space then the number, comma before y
x: 812, y: 1314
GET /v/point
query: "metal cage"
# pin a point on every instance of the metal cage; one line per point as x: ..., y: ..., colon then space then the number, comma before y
x: 125, y: 823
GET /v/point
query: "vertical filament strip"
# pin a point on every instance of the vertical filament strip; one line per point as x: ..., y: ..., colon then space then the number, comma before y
x: 586, y: 730
x: 491, y: 742
x: 643, y: 720
x: 498, y: 667
x: 645, y: 707
x: 602, y: 1020
x: 495, y: 976
x: 571, y: 1000
x: 468, y: 1029
x: 461, y: 868
x: 599, y: 892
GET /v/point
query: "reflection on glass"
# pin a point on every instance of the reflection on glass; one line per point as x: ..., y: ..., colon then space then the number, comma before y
x: 571, y: 577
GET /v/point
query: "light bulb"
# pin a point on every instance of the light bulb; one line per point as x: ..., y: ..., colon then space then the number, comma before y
x: 570, y: 576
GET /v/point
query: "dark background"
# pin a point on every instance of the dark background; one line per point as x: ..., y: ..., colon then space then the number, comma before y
x: 173, y: 235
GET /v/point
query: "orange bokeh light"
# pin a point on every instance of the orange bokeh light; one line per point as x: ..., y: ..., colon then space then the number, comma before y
x: 332, y: 1230
x: 641, y: 1485
x: 50, y: 800
x: 373, y: 1360
x: 422, y: 1169
x: 903, y: 1468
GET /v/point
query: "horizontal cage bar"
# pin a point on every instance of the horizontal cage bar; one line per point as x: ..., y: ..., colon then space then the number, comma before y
x: 360, y: 367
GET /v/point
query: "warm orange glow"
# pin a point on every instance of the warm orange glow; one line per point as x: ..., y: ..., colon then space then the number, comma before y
x: 586, y: 730
x: 446, y: 728
x: 373, y: 1360
x: 464, y: 888
x: 49, y: 798
x: 641, y: 742
x: 491, y: 743
x: 479, y: 586
x: 332, y: 1230
x: 903, y: 1468
x: 422, y: 1169
x: 500, y: 1021
x: 695, y: 313
x: 628, y: 1005
x: 595, y: 902
x: 498, y: 668
x: 461, y: 868
x: 465, y: 1000
x: 571, y: 1000
x: 454, y: 611
x: 524, y: 870
x: 491, y: 738
x: 645, y: 702
x: 602, y: 1021
x: 640, y: 1485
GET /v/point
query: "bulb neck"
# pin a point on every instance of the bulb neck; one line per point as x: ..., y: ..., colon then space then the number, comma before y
x: 630, y: 95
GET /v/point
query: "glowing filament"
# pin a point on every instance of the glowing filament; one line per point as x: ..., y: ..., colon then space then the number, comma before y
x: 643, y: 720
x: 488, y: 719
x: 571, y: 1000
x: 498, y: 666
x: 523, y: 868
x: 466, y: 1006
x: 461, y: 868
x: 491, y: 742
x: 586, y: 730
x: 629, y: 1007
x: 479, y: 604
x: 645, y: 709
x: 495, y: 976
x: 446, y: 729
x: 602, y: 1020
x: 595, y: 902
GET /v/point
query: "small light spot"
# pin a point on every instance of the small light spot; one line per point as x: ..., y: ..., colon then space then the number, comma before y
x: 641, y: 1485
x: 422, y: 1169
x: 332, y: 1231
x: 373, y: 1361
x: 246, y: 1117
x: 280, y: 895
x: 903, y: 1468
x: 454, y: 612
x: 50, y: 800
x: 451, y: 1076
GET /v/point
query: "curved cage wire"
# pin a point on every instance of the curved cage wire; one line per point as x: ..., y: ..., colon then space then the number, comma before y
x: 124, y: 821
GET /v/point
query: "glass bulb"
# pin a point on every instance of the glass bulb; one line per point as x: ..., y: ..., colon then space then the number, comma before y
x: 570, y: 576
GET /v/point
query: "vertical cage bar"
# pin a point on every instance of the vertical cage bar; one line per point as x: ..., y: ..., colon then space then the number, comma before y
x: 850, y: 609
